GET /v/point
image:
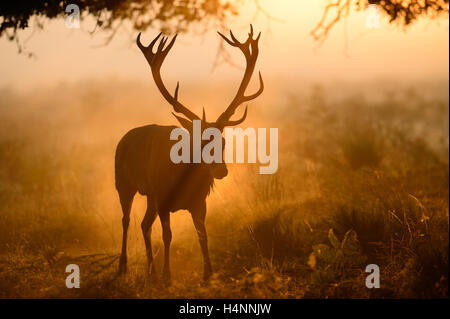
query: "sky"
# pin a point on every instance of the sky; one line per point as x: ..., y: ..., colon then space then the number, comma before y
x: 352, y: 52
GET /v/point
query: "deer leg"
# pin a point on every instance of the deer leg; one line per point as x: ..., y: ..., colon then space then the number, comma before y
x: 198, y: 216
x: 125, y: 201
x: 146, y: 225
x: 167, y: 238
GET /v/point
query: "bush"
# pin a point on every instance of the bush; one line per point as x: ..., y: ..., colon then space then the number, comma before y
x: 361, y: 146
x: 337, y: 262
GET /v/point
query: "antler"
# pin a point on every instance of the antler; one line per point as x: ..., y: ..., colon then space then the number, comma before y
x: 250, y: 50
x: 155, y: 60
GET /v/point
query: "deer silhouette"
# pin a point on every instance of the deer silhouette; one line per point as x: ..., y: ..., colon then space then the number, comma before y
x: 143, y: 164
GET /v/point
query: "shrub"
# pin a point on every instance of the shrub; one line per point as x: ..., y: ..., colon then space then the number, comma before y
x: 340, y: 261
x: 361, y: 146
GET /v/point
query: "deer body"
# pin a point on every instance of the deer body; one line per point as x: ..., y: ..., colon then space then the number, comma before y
x: 143, y: 164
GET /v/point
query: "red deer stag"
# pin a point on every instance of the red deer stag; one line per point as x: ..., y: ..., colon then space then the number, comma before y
x: 143, y: 164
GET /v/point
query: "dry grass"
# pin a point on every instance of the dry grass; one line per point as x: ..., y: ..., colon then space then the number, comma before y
x: 378, y: 167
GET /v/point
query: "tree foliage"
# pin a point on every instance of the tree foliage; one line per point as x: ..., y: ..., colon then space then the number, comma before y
x: 178, y: 15
x: 167, y: 15
x: 403, y: 12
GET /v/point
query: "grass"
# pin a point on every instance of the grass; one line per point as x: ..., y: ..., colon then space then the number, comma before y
x: 356, y: 169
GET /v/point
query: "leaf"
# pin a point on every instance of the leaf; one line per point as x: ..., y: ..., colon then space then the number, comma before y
x: 333, y: 239
x: 324, y: 253
x: 350, y: 243
x: 312, y: 261
x: 339, y: 255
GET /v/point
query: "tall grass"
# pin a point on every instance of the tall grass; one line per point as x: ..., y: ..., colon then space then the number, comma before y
x: 376, y: 170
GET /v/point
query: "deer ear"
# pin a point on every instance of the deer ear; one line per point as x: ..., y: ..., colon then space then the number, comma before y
x: 187, y: 124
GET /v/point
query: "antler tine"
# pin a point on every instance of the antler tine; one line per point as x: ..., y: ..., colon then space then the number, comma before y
x: 155, y: 61
x: 258, y: 93
x: 257, y: 38
x: 227, y: 40
x: 152, y: 44
x: 236, y: 122
x: 250, y: 50
x: 139, y: 43
x: 176, y: 92
x: 236, y: 41
x: 171, y: 43
x: 161, y: 45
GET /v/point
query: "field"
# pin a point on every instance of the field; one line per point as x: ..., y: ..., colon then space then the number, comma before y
x: 363, y: 179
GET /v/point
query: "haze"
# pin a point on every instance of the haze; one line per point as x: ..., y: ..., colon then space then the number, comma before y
x: 288, y: 52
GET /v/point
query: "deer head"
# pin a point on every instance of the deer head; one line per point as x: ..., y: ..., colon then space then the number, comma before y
x: 250, y: 50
